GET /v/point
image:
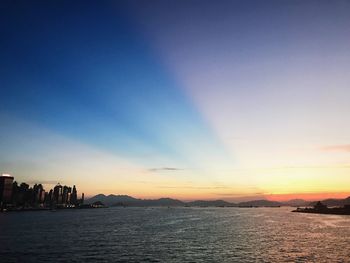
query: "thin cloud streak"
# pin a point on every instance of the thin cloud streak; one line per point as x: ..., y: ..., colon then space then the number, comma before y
x: 164, y: 169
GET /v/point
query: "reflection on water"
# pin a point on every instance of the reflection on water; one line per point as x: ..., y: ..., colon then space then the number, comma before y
x: 174, y: 235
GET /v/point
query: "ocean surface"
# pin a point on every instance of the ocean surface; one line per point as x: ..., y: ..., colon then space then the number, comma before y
x: 174, y: 235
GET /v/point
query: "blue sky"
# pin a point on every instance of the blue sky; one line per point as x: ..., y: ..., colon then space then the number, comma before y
x: 221, y: 92
x: 83, y: 71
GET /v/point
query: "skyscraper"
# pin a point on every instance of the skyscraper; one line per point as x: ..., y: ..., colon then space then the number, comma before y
x: 74, y: 197
x: 66, y: 195
x: 57, y: 194
x: 5, y: 189
x: 38, y: 193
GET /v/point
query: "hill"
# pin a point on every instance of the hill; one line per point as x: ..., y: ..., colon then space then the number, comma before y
x: 111, y: 199
x: 125, y: 200
x: 333, y: 202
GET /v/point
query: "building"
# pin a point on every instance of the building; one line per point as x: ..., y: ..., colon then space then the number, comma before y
x: 66, y: 194
x: 5, y: 189
x: 74, y: 196
x: 57, y: 194
x: 39, y: 194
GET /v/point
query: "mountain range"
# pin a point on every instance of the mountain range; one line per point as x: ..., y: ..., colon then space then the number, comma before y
x: 125, y: 200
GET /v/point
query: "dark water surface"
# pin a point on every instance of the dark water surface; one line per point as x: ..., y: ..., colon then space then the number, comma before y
x: 174, y: 235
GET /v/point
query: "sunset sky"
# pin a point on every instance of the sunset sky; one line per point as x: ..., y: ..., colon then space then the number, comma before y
x: 193, y: 99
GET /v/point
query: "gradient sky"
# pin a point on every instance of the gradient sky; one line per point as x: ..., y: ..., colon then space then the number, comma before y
x: 187, y: 99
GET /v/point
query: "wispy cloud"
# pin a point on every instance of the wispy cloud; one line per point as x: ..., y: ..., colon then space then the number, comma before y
x: 159, y: 169
x: 337, y: 148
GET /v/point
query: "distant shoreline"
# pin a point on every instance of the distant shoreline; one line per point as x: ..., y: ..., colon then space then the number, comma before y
x: 327, y: 211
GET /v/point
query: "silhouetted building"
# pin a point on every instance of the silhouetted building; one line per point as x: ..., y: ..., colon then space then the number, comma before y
x: 74, y: 196
x: 42, y: 196
x: 39, y: 194
x: 15, y: 192
x: 64, y: 194
x: 23, y: 194
x: 5, y: 189
x: 49, y: 198
x: 57, y: 194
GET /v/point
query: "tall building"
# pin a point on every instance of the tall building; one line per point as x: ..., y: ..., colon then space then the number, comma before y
x: 49, y: 198
x: 57, y: 194
x: 24, y: 194
x: 66, y: 195
x: 5, y: 189
x: 38, y: 192
x: 74, y: 196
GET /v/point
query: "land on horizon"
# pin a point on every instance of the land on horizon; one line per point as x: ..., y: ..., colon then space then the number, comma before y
x: 125, y: 200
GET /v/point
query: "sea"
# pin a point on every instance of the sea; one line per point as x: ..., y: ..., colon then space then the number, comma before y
x: 119, y: 234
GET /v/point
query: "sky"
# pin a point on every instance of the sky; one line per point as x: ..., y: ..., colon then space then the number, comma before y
x: 231, y: 100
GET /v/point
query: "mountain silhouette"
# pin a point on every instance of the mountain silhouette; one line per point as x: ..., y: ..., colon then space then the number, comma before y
x: 333, y: 202
x: 126, y: 200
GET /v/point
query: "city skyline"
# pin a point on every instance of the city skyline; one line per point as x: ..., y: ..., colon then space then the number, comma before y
x: 20, y: 196
x: 188, y: 100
